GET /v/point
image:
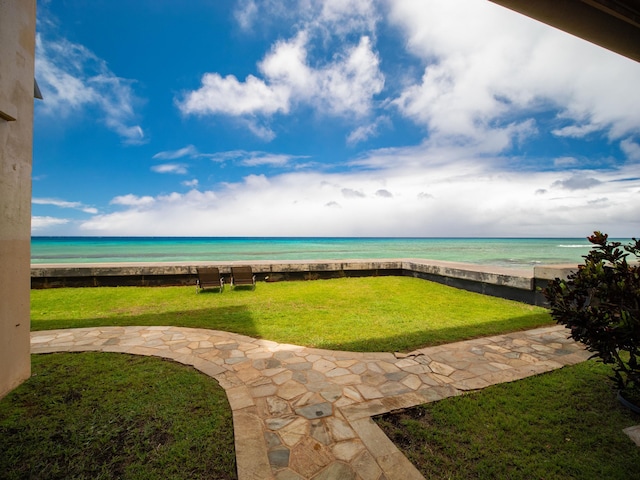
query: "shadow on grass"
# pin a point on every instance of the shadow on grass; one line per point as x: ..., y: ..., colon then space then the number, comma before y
x: 235, y: 318
x: 210, y: 290
x: 405, y: 342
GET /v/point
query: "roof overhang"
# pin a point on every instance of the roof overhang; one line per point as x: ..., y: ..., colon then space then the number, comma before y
x: 612, y: 24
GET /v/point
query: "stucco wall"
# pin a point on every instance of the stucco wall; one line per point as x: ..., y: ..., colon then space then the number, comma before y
x: 17, y: 46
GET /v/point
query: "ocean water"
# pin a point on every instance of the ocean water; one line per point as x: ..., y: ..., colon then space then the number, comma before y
x: 505, y: 252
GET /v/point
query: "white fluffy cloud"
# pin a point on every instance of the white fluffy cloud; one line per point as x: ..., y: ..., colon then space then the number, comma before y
x: 369, y: 130
x: 340, y: 83
x: 631, y: 149
x: 256, y: 158
x: 227, y: 95
x: 486, y: 70
x: 329, y: 17
x: 462, y: 198
x: 188, y: 151
x: 131, y: 200
x: 40, y: 223
x: 486, y: 65
x: 64, y: 204
x: 272, y: 160
x: 72, y: 79
x: 344, y: 86
x: 191, y: 183
x: 176, y: 168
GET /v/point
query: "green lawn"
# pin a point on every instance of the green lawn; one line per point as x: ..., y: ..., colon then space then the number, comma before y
x: 112, y: 416
x: 566, y: 424
x: 356, y: 314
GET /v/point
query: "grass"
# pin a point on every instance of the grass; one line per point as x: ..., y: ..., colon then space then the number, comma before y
x: 355, y: 314
x: 108, y: 416
x: 565, y: 424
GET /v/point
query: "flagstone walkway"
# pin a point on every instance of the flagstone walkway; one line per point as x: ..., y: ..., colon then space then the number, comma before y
x: 305, y: 413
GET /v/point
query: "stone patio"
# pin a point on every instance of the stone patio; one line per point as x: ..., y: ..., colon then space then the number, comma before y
x: 305, y: 413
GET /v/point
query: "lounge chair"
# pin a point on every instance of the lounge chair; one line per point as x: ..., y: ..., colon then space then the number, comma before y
x: 209, y: 277
x: 242, y: 276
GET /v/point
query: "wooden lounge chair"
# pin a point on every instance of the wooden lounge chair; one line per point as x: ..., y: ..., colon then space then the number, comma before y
x: 209, y: 277
x: 242, y: 276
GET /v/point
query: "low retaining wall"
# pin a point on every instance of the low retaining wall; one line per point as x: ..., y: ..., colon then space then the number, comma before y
x: 520, y: 285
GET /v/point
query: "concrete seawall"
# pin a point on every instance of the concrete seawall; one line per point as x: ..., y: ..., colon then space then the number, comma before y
x: 514, y: 284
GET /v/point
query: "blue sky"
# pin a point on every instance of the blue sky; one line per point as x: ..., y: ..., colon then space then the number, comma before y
x: 328, y: 118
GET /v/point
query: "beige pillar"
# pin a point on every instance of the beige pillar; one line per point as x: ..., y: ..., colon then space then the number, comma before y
x: 17, y: 49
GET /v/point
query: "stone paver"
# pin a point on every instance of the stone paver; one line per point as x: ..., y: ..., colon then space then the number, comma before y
x: 305, y: 413
x: 633, y: 433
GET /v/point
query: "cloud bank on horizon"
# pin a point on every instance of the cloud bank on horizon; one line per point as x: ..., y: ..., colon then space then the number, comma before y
x: 329, y: 118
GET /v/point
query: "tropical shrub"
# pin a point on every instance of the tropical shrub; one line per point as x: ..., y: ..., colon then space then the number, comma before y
x: 600, y: 304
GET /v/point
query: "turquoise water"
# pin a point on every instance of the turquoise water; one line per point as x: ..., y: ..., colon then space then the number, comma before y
x: 506, y: 252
